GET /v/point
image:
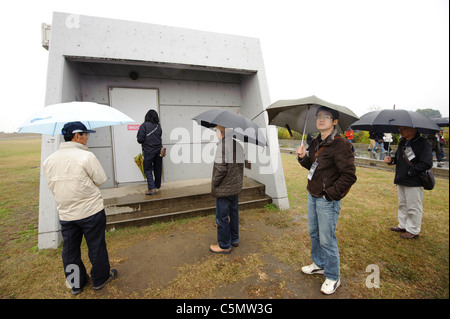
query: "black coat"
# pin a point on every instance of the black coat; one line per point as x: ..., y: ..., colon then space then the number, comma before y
x: 149, y: 135
x: 406, y: 174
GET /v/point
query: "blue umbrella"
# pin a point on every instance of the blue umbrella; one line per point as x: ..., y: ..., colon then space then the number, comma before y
x: 51, y: 119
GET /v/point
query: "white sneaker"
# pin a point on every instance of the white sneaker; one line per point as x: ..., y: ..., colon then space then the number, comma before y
x: 312, y: 269
x: 330, y: 286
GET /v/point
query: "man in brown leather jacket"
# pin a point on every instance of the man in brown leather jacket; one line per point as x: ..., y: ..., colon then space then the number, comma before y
x: 226, y: 184
x: 331, y: 174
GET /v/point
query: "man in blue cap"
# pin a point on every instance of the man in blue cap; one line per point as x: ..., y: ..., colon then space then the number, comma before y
x: 73, y: 175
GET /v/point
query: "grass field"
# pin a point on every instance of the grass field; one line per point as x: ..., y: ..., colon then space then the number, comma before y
x: 408, y: 268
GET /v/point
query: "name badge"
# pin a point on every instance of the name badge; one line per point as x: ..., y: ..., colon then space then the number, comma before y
x: 312, y: 170
x: 409, y: 153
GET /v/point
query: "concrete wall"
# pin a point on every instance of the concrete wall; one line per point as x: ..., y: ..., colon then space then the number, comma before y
x: 192, y: 70
x: 181, y: 96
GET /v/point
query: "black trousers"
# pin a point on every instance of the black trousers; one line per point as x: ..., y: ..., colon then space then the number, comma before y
x: 93, y: 230
x: 153, y: 166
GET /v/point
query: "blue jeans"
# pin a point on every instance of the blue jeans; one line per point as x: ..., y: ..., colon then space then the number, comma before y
x: 322, y: 220
x: 93, y: 229
x: 374, y: 150
x: 227, y: 219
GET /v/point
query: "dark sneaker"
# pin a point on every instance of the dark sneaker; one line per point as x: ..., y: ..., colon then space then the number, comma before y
x: 112, y: 275
x: 77, y: 291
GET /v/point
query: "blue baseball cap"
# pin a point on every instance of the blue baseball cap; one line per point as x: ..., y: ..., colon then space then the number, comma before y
x: 75, y: 127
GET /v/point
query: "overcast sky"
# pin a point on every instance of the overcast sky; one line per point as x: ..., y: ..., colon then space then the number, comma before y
x: 363, y: 54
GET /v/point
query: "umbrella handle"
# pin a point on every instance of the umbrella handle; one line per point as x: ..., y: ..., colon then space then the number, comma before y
x: 303, y: 135
x: 306, y: 122
x: 289, y: 130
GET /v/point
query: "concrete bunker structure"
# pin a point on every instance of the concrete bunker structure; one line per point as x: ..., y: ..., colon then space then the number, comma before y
x: 180, y: 73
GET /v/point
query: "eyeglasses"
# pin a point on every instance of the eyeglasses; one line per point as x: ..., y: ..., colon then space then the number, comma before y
x: 324, y: 117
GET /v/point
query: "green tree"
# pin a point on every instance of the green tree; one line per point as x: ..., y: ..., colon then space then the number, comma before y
x: 430, y: 113
x: 361, y: 137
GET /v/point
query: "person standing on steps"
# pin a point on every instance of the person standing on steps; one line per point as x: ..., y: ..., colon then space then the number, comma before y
x: 149, y: 136
x: 331, y: 174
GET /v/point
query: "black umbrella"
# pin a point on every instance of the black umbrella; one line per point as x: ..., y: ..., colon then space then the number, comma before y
x: 243, y: 128
x: 388, y: 121
x: 442, y: 121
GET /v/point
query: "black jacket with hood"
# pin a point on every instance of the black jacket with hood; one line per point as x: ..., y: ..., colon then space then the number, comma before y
x: 149, y: 136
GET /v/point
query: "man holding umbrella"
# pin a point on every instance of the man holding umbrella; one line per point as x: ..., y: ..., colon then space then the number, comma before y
x: 73, y: 175
x: 415, y: 149
x: 331, y: 174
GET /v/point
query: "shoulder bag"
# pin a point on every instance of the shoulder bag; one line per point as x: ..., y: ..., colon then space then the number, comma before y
x: 427, y: 177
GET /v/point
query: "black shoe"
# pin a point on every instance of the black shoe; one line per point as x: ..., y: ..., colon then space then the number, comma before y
x: 112, y: 275
x: 235, y: 244
x: 398, y: 229
x: 77, y: 291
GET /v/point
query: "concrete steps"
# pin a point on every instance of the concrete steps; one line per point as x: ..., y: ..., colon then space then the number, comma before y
x: 131, y: 207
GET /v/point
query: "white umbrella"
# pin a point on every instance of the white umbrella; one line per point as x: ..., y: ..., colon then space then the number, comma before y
x: 51, y: 119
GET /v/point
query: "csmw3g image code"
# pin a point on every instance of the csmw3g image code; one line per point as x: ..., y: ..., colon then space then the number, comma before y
x: 227, y: 308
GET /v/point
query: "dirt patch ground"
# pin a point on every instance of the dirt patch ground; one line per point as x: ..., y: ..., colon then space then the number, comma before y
x: 171, y: 264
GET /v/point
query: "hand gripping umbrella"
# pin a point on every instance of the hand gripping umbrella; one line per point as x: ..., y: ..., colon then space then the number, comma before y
x: 51, y: 119
x: 299, y: 115
x: 244, y: 129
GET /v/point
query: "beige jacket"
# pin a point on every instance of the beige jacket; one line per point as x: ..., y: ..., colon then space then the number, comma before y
x: 73, y: 175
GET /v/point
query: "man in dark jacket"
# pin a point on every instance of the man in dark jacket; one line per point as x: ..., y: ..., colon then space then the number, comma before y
x: 408, y: 181
x: 331, y: 174
x: 226, y: 184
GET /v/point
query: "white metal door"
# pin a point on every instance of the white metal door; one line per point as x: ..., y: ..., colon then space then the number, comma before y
x: 135, y: 103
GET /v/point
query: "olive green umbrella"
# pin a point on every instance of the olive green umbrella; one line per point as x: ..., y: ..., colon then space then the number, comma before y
x: 299, y: 115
